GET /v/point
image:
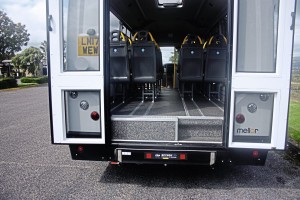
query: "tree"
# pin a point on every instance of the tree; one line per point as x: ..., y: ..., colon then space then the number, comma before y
x: 30, y: 60
x: 174, y: 57
x: 17, y: 62
x: 43, y: 48
x: 12, y: 37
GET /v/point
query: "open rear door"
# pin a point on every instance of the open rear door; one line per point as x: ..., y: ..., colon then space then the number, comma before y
x: 76, y: 40
x: 261, y: 61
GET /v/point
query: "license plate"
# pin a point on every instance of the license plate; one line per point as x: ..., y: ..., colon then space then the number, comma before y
x: 88, y: 46
x: 165, y: 156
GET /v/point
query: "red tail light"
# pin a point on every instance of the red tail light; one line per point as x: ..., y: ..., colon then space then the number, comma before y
x: 182, y: 156
x: 148, y: 156
x: 80, y: 149
x: 255, y: 154
x: 95, y: 116
x: 240, y: 118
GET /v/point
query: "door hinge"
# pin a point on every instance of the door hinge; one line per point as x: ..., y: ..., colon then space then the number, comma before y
x: 292, y: 27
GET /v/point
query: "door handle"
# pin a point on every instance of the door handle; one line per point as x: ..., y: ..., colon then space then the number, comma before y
x: 50, y: 19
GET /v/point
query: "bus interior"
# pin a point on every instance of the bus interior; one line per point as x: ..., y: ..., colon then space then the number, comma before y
x: 182, y: 100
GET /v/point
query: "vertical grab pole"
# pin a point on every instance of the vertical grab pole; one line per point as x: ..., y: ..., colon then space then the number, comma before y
x: 174, y: 70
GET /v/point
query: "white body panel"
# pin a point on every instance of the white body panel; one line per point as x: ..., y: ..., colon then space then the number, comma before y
x: 76, y: 80
x: 277, y: 83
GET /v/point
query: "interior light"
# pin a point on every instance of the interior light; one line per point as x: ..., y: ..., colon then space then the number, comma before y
x: 170, y: 3
x: 161, y: 2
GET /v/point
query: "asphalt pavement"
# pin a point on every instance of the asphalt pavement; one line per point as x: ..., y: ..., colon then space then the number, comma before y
x: 32, y: 168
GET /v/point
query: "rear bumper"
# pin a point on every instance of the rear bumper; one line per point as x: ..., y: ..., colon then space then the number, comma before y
x: 169, y: 156
x: 162, y: 156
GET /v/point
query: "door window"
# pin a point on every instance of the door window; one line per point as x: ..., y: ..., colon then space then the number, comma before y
x: 81, y: 35
x: 257, y: 36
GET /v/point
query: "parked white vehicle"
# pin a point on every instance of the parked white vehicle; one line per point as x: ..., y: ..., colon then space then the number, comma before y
x: 107, y: 97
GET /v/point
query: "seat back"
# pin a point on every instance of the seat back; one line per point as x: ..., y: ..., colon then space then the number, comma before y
x: 191, y: 59
x: 144, y: 58
x: 119, y: 57
x: 216, y: 53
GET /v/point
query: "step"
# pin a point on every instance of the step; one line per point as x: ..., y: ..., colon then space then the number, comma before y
x: 200, y: 129
x: 144, y: 128
x: 167, y: 128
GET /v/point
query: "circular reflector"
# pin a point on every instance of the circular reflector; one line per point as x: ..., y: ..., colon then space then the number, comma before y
x: 264, y: 97
x: 252, y: 107
x: 73, y: 94
x: 84, y: 105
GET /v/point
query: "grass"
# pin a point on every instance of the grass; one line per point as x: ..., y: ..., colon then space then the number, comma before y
x: 27, y: 84
x: 294, y: 112
x: 42, y: 80
x: 294, y: 121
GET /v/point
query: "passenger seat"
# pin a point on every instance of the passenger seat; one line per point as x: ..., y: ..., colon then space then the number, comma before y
x: 190, y: 63
x: 145, y: 63
x: 215, y: 65
x: 119, y: 62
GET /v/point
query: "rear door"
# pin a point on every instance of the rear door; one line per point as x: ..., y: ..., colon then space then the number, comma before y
x: 76, y: 40
x: 261, y: 66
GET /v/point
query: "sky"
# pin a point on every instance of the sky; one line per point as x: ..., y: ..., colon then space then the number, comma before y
x: 32, y: 13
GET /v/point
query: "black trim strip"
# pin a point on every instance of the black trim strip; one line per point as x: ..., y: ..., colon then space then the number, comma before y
x: 226, y: 126
x: 106, y: 72
x: 49, y: 70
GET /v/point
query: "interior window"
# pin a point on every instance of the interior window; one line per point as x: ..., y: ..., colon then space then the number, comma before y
x: 114, y: 22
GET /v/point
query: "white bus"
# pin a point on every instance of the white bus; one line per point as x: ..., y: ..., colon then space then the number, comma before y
x: 224, y: 98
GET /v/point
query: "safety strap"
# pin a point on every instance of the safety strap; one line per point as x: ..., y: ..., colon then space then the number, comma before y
x: 124, y: 38
x: 151, y: 36
x: 212, y: 37
x: 153, y: 40
x: 186, y: 39
x: 200, y: 40
x: 205, y: 43
x: 134, y: 36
